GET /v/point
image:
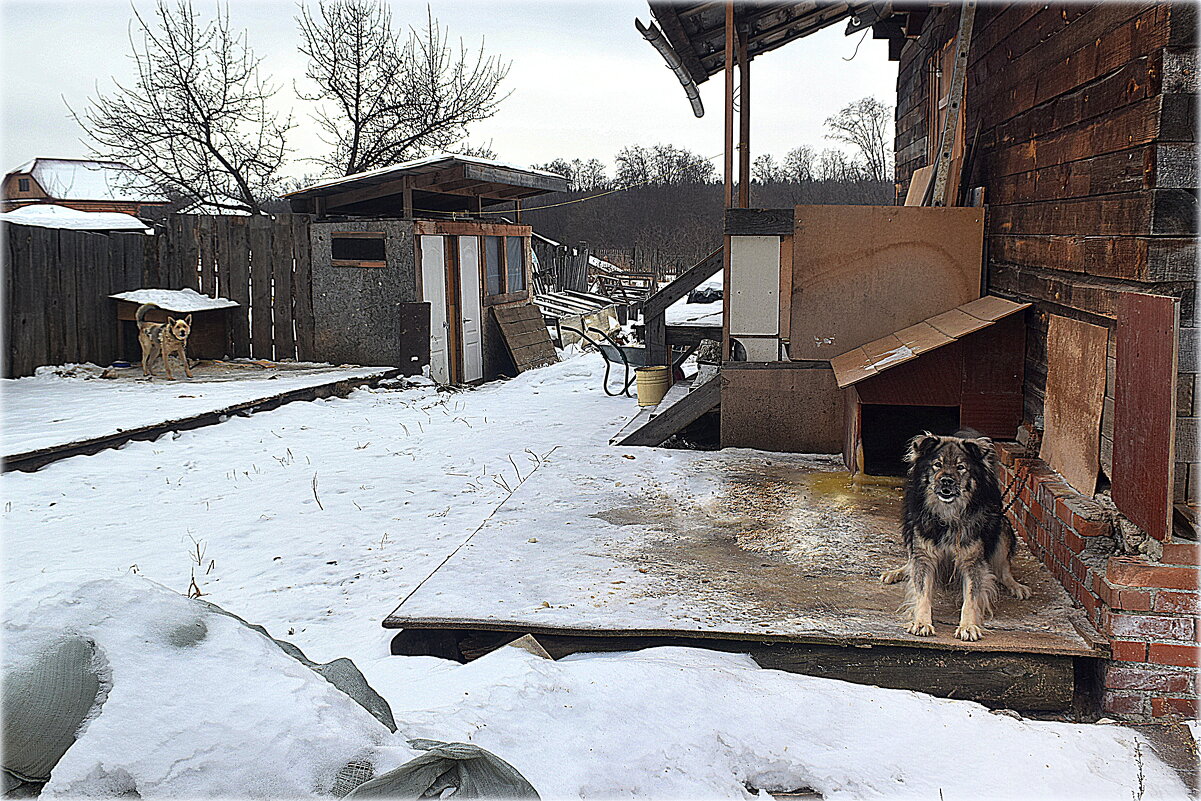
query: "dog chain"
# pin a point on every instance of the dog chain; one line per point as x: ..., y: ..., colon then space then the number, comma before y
x: 1017, y: 476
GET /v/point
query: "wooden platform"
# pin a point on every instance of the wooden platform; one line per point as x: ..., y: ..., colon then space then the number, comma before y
x: 774, y: 554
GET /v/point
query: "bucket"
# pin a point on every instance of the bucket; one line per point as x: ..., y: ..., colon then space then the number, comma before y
x: 653, y: 383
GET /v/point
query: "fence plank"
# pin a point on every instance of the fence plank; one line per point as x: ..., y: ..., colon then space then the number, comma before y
x: 259, y: 231
x: 92, y: 279
x: 237, y: 253
x: 67, y: 269
x: 35, y: 279
x: 16, y: 275
x: 52, y: 269
x: 6, y: 297
x: 204, y: 229
x: 302, y: 287
x: 281, y: 285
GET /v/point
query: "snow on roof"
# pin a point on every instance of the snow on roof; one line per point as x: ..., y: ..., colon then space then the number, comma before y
x: 48, y: 215
x: 422, y: 162
x: 79, y: 179
x: 175, y: 300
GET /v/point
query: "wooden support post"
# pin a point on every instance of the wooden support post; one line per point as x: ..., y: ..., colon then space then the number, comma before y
x: 517, y: 211
x: 744, y: 122
x: 729, y: 108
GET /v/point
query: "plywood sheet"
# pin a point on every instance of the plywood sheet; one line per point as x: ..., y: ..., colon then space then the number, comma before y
x: 781, y: 409
x: 860, y: 272
x: 1075, y: 394
x: 779, y: 547
x: 755, y: 276
x: 525, y: 336
x: 1144, y: 412
x: 912, y: 341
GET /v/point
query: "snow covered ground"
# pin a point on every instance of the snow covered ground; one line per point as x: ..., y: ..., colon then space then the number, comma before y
x: 61, y: 405
x: 315, y: 519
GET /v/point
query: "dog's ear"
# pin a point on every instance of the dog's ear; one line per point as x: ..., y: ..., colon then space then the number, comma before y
x: 170, y: 321
x: 921, y: 445
x: 981, y: 449
x: 188, y: 320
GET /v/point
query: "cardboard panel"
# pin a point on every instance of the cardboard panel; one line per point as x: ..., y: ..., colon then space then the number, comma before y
x: 956, y: 323
x: 936, y: 379
x: 1145, y: 410
x: 861, y: 272
x: 755, y: 276
x: 1075, y: 393
x: 781, y: 409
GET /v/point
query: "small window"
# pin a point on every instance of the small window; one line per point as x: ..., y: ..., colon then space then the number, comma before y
x: 514, y: 264
x: 359, y: 249
x: 492, y: 264
x: 23, y: 184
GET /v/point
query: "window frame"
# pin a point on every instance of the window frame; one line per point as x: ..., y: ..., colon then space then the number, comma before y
x: 374, y: 264
x: 507, y: 294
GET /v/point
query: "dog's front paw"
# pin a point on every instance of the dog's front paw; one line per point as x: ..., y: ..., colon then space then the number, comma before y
x: 920, y: 629
x: 969, y: 632
x: 1020, y: 591
x: 894, y: 575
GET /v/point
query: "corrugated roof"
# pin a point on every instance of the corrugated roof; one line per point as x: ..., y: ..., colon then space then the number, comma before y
x: 909, y: 343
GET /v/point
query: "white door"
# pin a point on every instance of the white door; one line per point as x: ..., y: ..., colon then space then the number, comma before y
x: 433, y: 292
x: 469, y: 304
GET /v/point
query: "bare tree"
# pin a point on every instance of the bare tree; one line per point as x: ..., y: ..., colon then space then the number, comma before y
x: 766, y: 170
x: 864, y: 124
x: 195, y: 123
x: 661, y: 164
x: 384, y: 102
x: 582, y: 176
x: 798, y: 164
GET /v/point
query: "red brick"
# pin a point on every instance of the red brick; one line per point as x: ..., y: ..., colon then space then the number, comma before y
x: 1091, y: 605
x: 1150, y: 626
x: 1137, y: 573
x: 1132, y: 677
x: 1116, y: 703
x: 1062, y: 511
x: 1166, y: 654
x: 1134, y: 600
x: 1161, y: 707
x: 1090, y: 528
x: 1181, y: 554
x: 1124, y: 651
x: 1073, y: 540
x: 1181, y: 603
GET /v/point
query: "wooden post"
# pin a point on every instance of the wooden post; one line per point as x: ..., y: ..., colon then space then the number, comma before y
x: 407, y: 201
x: 744, y: 122
x: 517, y: 210
x: 729, y: 110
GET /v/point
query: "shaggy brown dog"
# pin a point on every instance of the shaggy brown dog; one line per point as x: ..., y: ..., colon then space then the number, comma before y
x: 954, y: 530
x: 163, y: 338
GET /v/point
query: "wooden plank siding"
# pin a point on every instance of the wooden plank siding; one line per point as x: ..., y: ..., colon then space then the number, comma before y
x: 57, y: 284
x: 1083, y: 117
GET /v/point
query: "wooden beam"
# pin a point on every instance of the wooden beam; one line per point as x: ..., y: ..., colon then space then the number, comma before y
x: 744, y: 123
x: 728, y: 166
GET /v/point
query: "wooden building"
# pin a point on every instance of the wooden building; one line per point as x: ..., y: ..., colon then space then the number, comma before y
x: 1068, y: 131
x: 408, y: 267
x: 79, y: 184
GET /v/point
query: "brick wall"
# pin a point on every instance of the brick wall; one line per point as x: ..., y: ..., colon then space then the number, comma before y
x: 1147, y: 604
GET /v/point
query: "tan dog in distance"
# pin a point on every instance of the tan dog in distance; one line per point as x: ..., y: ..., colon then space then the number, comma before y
x: 163, y: 339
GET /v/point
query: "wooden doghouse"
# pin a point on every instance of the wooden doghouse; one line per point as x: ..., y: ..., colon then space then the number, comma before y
x: 961, y: 368
x: 210, y: 320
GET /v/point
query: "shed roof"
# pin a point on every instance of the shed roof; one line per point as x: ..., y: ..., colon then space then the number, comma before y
x: 911, y: 342
x: 439, y: 183
x: 696, y: 31
x: 82, y: 179
x: 49, y: 215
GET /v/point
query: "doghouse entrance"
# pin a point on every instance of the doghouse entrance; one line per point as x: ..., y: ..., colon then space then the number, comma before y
x: 888, y: 428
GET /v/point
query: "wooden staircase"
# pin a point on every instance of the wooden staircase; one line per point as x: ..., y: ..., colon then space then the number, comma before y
x: 682, y: 405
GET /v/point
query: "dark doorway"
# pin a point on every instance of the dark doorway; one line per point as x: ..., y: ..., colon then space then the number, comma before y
x: 887, y: 429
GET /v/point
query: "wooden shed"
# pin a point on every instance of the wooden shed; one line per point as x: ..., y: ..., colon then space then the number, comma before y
x: 408, y: 264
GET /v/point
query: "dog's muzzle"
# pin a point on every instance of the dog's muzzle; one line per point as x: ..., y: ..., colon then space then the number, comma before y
x: 947, y: 489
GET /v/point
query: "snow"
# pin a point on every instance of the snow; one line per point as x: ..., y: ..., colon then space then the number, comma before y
x: 176, y: 300
x: 76, y: 179
x: 707, y: 314
x: 317, y: 518
x: 423, y: 162
x: 182, y: 688
x: 49, y: 215
x: 893, y: 356
x: 61, y: 405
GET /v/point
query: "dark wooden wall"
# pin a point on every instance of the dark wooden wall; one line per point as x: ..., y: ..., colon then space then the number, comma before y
x: 57, y: 283
x: 1081, y: 126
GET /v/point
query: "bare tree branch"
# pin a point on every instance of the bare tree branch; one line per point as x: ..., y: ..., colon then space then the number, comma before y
x: 194, y: 124
x: 865, y: 125
x: 383, y: 102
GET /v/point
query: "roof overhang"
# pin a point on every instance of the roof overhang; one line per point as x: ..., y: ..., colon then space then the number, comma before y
x: 438, y: 184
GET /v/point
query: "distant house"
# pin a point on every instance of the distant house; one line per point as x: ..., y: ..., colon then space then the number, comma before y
x: 78, y: 184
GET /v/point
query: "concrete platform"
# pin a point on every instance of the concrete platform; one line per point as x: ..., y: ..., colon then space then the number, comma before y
x: 722, y: 547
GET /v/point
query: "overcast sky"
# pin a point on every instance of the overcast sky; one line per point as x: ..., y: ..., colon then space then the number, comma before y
x: 584, y: 83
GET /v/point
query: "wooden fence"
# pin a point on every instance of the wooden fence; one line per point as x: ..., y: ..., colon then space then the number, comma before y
x: 57, y: 283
